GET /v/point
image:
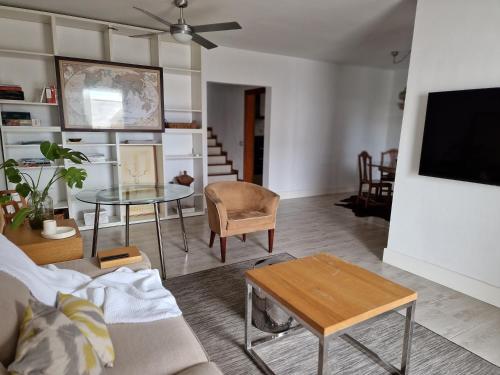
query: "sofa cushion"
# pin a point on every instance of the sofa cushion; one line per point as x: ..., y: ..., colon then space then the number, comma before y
x: 49, y: 343
x: 89, y: 318
x: 14, y: 297
x: 248, y: 220
x: 156, y: 348
x: 208, y: 368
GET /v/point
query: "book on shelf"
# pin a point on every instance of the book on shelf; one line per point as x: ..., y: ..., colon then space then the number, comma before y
x: 49, y: 95
x: 11, y: 92
x: 139, y: 141
x: 34, y: 162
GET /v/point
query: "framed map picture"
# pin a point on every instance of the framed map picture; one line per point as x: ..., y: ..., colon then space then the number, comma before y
x: 108, y: 96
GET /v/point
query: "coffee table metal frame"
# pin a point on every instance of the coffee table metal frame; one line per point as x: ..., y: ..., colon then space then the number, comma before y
x: 324, y: 341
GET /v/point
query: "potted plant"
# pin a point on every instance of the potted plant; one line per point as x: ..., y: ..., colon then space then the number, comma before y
x: 38, y: 196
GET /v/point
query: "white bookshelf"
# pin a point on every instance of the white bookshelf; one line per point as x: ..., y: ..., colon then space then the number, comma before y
x: 30, y: 41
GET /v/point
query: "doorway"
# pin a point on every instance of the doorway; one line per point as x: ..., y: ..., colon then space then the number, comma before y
x: 253, y: 154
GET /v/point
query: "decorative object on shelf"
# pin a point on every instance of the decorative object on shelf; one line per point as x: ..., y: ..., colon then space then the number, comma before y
x: 11, y: 92
x: 49, y: 95
x: 184, y: 33
x: 109, y: 96
x: 402, y: 98
x: 75, y: 140
x: 183, y: 125
x: 89, y: 216
x: 96, y: 158
x: 138, y: 167
x: 40, y: 205
x: 184, y: 179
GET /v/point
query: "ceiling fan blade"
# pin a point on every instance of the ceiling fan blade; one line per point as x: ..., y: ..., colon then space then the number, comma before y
x: 154, y: 16
x: 147, y: 35
x: 203, y: 42
x: 216, y: 27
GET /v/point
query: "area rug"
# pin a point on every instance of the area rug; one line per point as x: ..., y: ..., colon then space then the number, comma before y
x: 382, y: 209
x: 213, y: 304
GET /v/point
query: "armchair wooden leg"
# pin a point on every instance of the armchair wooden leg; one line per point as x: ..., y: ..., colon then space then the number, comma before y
x: 223, y: 241
x: 244, y: 237
x: 212, y: 238
x: 270, y: 237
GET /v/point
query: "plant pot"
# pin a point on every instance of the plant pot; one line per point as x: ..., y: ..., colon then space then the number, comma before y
x: 42, y: 208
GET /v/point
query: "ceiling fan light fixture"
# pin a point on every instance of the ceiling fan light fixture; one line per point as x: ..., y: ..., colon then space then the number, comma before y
x: 182, y: 37
x: 181, y: 32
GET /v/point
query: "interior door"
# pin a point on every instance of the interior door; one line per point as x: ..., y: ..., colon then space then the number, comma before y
x: 249, y: 139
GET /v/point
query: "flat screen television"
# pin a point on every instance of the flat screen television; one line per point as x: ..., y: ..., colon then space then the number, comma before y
x: 462, y: 136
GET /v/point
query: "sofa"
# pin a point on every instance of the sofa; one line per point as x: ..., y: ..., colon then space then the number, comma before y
x: 157, y: 348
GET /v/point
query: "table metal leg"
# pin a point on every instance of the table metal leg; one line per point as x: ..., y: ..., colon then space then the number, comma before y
x: 405, y: 361
x: 160, y: 242
x: 181, y: 217
x: 248, y: 317
x: 96, y: 229
x: 127, y: 224
x: 323, y: 356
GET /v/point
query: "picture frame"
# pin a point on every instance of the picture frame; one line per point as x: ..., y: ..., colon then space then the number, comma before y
x: 138, y: 166
x: 109, y: 96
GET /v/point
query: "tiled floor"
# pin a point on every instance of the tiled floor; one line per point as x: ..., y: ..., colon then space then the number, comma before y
x: 309, y: 225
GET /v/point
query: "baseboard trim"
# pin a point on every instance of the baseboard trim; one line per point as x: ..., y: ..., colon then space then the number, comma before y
x: 456, y: 281
x: 314, y: 193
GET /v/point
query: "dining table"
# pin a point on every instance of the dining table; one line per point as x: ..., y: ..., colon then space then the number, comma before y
x: 128, y: 195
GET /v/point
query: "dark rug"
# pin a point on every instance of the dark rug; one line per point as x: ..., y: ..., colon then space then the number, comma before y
x: 213, y: 304
x: 380, y: 209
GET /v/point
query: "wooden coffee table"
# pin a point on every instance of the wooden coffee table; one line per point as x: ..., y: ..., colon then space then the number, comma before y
x: 328, y: 297
x: 42, y: 250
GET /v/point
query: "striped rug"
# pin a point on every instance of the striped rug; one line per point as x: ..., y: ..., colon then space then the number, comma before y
x: 213, y: 304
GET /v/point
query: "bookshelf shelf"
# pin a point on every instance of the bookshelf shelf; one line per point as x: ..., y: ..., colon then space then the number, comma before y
x: 39, y: 36
x: 26, y: 53
x: 31, y: 129
x: 24, y: 102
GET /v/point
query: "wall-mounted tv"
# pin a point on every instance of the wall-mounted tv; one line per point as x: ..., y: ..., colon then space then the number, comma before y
x: 462, y: 136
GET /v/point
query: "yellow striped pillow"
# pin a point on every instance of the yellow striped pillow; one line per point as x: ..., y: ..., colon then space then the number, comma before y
x: 90, y: 320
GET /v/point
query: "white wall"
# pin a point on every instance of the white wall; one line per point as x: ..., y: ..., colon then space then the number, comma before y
x: 319, y: 116
x: 447, y: 230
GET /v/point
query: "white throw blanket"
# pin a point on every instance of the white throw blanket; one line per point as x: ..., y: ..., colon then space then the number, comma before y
x: 124, y: 295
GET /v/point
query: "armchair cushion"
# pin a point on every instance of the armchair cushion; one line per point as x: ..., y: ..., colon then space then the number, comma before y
x: 248, y: 221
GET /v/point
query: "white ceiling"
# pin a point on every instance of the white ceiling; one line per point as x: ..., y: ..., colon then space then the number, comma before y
x: 359, y: 32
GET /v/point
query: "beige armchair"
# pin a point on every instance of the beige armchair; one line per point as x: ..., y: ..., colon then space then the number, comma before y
x: 239, y: 208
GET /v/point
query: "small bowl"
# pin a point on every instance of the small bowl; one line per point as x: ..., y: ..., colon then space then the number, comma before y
x: 75, y: 140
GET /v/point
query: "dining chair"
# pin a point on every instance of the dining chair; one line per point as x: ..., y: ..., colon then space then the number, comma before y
x: 388, y: 158
x: 375, y: 187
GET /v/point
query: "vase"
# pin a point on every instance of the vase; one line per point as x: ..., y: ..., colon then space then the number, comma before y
x: 184, y: 179
x: 42, y: 208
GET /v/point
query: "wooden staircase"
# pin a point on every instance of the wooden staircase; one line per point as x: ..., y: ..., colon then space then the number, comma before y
x: 219, y: 167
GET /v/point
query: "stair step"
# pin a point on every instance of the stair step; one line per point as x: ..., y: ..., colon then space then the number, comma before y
x: 214, y: 150
x: 222, y: 177
x: 218, y: 159
x: 219, y: 169
x: 212, y: 141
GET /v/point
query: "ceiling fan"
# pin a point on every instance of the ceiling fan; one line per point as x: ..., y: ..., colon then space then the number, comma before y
x: 183, y: 32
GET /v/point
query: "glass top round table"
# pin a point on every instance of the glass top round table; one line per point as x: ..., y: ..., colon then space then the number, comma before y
x: 135, y: 194
x: 128, y: 195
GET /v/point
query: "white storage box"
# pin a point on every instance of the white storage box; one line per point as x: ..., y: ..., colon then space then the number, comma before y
x: 89, y: 215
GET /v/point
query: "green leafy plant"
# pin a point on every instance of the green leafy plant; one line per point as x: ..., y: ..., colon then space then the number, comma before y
x: 28, y: 188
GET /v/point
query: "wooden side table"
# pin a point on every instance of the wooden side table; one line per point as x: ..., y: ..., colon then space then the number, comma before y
x: 42, y: 250
x: 328, y: 296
